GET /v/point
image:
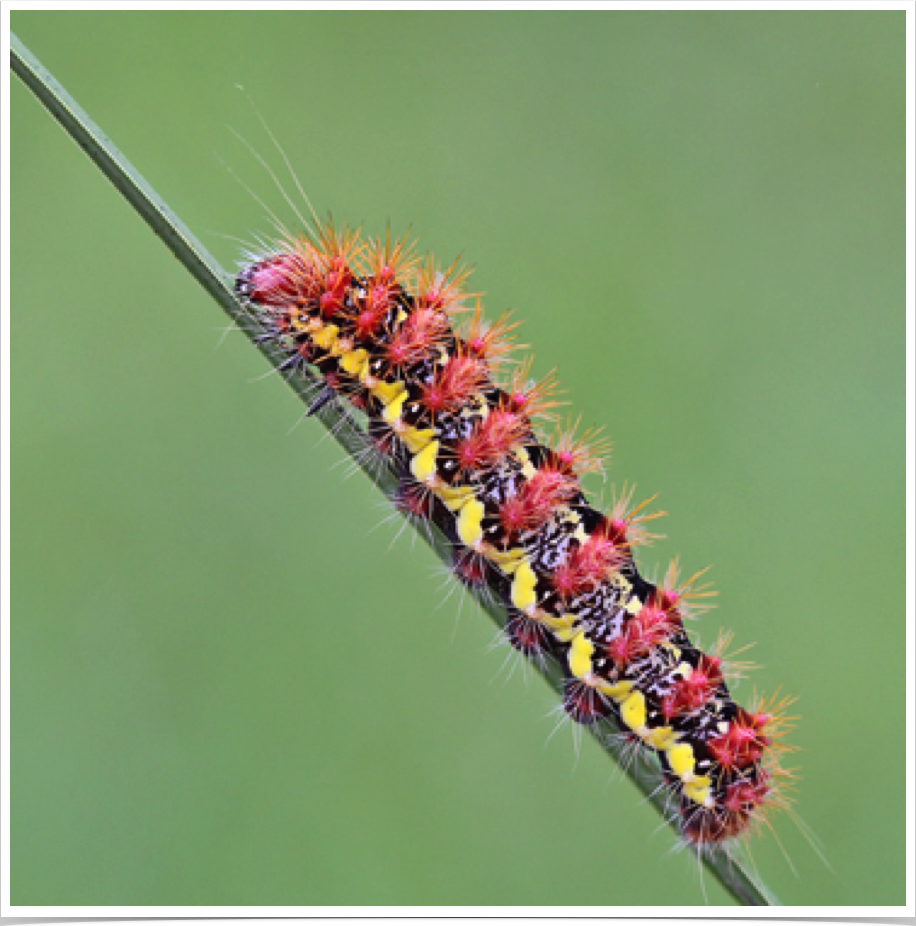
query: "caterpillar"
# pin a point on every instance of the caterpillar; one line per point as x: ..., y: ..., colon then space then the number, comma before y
x: 465, y: 431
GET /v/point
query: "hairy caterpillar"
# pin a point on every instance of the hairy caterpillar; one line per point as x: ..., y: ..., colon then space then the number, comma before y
x: 394, y: 336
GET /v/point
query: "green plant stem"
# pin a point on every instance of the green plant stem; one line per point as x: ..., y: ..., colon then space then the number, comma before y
x: 732, y: 872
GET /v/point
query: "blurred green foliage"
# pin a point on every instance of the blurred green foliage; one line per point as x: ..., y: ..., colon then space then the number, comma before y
x: 226, y: 688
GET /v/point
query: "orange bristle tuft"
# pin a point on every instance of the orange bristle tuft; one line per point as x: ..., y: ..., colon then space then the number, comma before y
x: 453, y: 384
x: 530, y: 397
x: 776, y: 723
x: 338, y: 247
x: 626, y: 522
x: 340, y: 251
x: 686, y: 596
x: 587, y: 565
x: 418, y: 338
x: 581, y: 454
x: 652, y: 626
x: 744, y: 742
x: 491, y: 440
x: 537, y: 500
x: 442, y: 289
x: 490, y: 341
x: 694, y: 691
x: 387, y: 263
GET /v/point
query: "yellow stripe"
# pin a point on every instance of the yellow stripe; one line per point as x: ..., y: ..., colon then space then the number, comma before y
x: 699, y: 790
x: 660, y: 738
x: 507, y: 560
x: 393, y: 409
x: 581, y: 650
x: 682, y: 761
x: 633, y: 710
x: 454, y: 498
x: 558, y: 624
x: 326, y: 337
x: 470, y: 530
x: 616, y: 690
x: 386, y: 392
x: 415, y: 439
x: 354, y: 362
x: 423, y: 465
x: 523, y: 583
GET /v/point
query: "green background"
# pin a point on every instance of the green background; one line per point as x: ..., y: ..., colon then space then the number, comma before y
x: 226, y: 688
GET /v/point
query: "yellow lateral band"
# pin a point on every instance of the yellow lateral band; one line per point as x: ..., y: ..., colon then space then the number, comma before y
x: 470, y: 520
x: 354, y: 362
x: 326, y: 337
x: 393, y: 409
x: 616, y: 690
x: 423, y: 465
x: 386, y: 392
x: 660, y: 738
x: 633, y: 710
x: 562, y: 623
x: 416, y: 439
x: 454, y: 498
x: 699, y: 790
x: 581, y: 650
x: 523, y: 582
x: 507, y: 560
x: 682, y: 761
